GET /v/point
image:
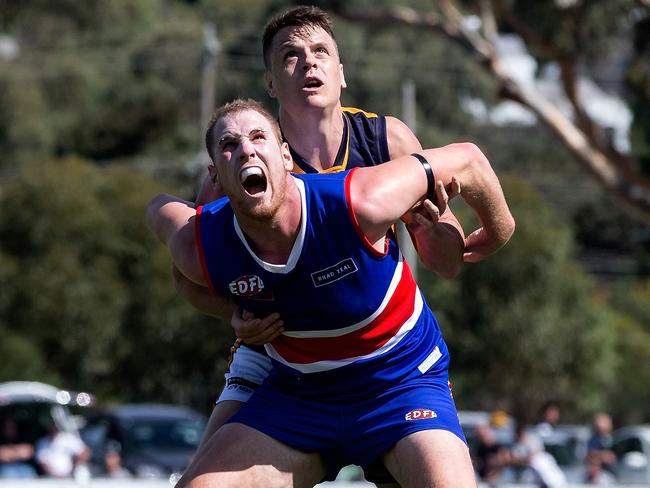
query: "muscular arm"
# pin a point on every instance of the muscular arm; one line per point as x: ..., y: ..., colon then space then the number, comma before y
x: 381, y: 194
x: 172, y: 221
x: 201, y: 298
x: 436, y: 233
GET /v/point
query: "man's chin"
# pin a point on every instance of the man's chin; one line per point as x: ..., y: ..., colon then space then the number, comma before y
x: 256, y: 208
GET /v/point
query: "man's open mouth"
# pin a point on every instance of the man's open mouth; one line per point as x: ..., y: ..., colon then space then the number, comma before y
x: 313, y: 83
x: 253, y: 180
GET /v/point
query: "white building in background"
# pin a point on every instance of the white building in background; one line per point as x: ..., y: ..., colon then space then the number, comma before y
x: 9, y: 48
x: 608, y: 110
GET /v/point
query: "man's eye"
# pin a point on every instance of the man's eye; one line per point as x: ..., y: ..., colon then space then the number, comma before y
x: 258, y: 136
x: 228, y: 145
x: 290, y: 54
x: 321, y: 50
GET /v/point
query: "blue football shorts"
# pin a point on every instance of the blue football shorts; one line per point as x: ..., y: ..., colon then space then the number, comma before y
x: 358, y: 429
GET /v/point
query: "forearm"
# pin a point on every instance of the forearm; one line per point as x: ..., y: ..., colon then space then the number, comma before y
x: 381, y: 194
x: 201, y: 298
x: 441, y: 247
x: 480, y: 188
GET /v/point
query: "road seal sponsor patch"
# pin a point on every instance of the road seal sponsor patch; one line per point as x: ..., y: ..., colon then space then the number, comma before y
x: 333, y: 273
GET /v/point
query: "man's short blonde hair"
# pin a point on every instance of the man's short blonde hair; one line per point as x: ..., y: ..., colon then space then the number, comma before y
x: 236, y: 106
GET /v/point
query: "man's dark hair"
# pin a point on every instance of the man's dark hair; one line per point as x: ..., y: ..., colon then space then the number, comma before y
x: 302, y: 17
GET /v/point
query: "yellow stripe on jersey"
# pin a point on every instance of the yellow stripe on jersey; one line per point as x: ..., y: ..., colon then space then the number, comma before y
x: 354, y: 110
x: 344, y: 164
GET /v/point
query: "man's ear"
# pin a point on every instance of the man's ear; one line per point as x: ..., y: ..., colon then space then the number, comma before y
x: 214, y: 175
x: 343, y: 83
x: 268, y: 79
x: 286, y: 156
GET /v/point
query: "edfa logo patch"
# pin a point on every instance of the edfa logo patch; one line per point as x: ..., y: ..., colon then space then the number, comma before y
x: 246, y: 286
x: 420, y: 414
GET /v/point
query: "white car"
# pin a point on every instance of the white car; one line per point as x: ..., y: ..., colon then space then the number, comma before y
x: 632, y: 447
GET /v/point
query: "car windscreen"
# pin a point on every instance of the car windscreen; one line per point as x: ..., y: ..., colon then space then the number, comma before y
x: 31, y: 419
x: 162, y: 433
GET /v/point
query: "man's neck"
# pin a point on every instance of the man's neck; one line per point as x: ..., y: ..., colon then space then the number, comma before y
x: 272, y: 239
x: 314, y: 133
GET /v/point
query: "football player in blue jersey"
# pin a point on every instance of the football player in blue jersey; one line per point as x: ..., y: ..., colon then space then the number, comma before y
x: 293, y: 432
x: 304, y: 73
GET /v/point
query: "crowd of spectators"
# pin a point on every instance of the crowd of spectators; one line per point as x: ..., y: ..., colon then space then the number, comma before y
x: 57, y: 454
x: 61, y: 454
x: 526, y: 460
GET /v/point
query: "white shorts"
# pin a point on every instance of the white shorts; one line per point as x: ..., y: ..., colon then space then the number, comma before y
x: 247, y: 371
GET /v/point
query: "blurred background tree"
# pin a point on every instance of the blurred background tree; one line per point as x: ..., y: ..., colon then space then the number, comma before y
x: 100, y: 108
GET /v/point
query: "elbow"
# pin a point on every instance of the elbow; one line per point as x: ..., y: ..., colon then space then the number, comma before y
x: 509, y: 226
x: 507, y: 229
x: 477, y: 161
x: 152, y: 210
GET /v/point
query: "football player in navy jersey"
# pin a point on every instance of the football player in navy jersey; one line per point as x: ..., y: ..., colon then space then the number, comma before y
x: 371, y: 383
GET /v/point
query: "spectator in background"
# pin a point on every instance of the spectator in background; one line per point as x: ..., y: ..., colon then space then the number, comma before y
x: 15, y: 455
x: 599, y: 447
x: 521, y: 452
x: 59, y: 453
x: 490, y: 458
x: 532, y: 463
x: 596, y: 475
x: 113, y: 461
x: 549, y: 417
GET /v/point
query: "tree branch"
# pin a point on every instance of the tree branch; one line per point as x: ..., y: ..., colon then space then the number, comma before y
x: 584, y: 138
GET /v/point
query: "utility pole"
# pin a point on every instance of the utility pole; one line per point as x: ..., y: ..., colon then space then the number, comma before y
x: 408, y: 115
x: 211, y: 51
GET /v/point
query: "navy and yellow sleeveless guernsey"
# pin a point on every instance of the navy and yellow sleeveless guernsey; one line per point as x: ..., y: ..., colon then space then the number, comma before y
x: 362, y: 362
x: 364, y: 143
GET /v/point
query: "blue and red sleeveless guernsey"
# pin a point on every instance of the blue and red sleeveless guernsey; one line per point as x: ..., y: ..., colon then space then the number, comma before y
x: 344, y: 305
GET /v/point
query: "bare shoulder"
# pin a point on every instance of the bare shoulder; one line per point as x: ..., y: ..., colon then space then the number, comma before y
x: 401, y: 139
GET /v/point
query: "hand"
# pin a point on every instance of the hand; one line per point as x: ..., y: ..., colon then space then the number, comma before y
x: 479, y: 245
x: 256, y: 331
x: 424, y: 216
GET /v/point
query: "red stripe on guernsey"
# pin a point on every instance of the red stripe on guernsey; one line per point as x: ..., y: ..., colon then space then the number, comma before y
x: 199, y: 246
x: 355, y: 221
x: 360, y: 342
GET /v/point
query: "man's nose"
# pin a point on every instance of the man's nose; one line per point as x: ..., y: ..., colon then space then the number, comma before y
x: 310, y: 61
x: 247, y: 149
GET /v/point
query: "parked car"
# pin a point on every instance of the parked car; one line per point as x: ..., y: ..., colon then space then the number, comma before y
x: 33, y: 407
x: 632, y: 447
x: 156, y: 440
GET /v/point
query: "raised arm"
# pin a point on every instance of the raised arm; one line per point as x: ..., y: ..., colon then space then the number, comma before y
x: 436, y: 233
x: 200, y: 297
x: 381, y: 194
x: 172, y: 221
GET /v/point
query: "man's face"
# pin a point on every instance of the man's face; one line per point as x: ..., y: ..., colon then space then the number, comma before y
x: 304, y: 68
x: 251, y: 164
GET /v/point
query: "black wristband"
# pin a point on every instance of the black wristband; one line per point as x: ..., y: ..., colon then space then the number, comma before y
x: 431, y: 181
